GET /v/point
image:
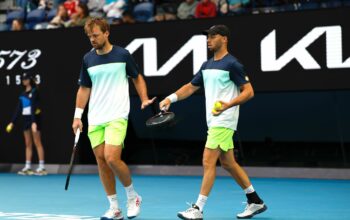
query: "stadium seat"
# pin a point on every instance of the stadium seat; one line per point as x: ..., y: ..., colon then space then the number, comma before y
x: 34, y: 17
x: 17, y: 14
x: 52, y: 13
x: 309, y: 5
x: 4, y: 27
x: 331, y: 4
x: 143, y: 12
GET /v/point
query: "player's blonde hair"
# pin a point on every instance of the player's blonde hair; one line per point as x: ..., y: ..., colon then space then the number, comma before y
x: 100, y: 22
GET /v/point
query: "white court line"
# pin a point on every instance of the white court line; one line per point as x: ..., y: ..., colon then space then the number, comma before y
x: 40, y: 216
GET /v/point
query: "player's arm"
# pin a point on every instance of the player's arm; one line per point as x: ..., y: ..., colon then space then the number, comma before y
x: 83, y: 96
x: 10, y: 126
x: 246, y: 93
x: 17, y: 112
x: 181, y: 94
x: 141, y: 89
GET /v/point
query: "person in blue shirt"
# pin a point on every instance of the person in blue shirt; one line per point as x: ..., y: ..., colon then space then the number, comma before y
x: 226, y: 87
x: 104, y: 82
x: 28, y: 109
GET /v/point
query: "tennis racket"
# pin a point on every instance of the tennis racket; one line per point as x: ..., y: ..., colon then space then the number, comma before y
x: 76, y: 139
x: 161, y: 119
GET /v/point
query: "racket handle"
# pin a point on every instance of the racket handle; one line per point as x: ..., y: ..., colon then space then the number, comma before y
x: 163, y: 110
x: 77, y: 135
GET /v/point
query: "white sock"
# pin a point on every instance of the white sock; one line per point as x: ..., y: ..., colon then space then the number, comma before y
x: 201, y: 201
x: 41, y: 164
x: 130, y: 192
x: 250, y: 189
x: 113, y: 201
x: 28, y: 165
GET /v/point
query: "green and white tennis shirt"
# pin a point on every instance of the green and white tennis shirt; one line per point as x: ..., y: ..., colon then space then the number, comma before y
x: 221, y: 80
x: 107, y: 76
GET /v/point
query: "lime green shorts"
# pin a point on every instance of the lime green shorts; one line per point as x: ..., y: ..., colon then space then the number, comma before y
x: 112, y: 133
x: 220, y: 137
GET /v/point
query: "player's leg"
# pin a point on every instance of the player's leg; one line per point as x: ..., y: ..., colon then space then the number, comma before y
x: 96, y: 135
x: 115, y: 135
x: 210, y: 157
x: 27, y: 170
x: 229, y: 163
x: 255, y: 204
x: 40, y: 149
x: 112, y: 154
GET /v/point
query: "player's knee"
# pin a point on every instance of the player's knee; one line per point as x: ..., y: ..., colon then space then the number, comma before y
x: 37, y: 143
x: 111, y: 159
x: 226, y: 165
x: 208, y: 163
x: 29, y: 144
x: 100, y: 158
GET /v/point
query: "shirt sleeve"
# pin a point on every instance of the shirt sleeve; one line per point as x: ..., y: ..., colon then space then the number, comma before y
x: 84, y: 79
x: 132, y: 68
x: 198, y: 78
x: 237, y: 74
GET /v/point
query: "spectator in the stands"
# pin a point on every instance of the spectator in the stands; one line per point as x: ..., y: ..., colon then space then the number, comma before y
x: 222, y: 7
x: 22, y: 3
x: 17, y: 25
x: 71, y: 5
x: 45, y: 4
x: 237, y: 6
x: 187, y: 9
x: 56, y: 3
x: 165, y: 12
x: 96, y: 8
x: 205, y: 9
x: 114, y: 9
x: 60, y: 18
x: 127, y: 18
x: 80, y: 17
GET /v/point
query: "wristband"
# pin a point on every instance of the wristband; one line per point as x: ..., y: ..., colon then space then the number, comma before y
x: 172, y: 97
x: 78, y: 113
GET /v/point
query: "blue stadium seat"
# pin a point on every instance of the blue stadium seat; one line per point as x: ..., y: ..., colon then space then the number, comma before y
x: 34, y: 17
x: 143, y: 12
x: 331, y: 4
x: 309, y: 5
x: 4, y: 27
x: 52, y: 13
x: 17, y: 14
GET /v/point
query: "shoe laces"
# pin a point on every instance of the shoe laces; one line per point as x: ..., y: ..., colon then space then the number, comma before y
x: 246, y: 205
x: 131, y: 202
x: 192, y: 208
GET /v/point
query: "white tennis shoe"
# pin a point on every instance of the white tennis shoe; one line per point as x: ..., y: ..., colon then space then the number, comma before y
x: 192, y: 213
x: 26, y: 172
x: 134, y: 207
x: 251, y: 210
x: 112, y: 214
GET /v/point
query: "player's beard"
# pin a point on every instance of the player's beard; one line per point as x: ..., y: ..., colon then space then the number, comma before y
x: 215, y: 47
x: 99, y: 46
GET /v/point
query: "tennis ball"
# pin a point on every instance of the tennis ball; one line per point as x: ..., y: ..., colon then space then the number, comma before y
x: 217, y: 105
x: 9, y: 128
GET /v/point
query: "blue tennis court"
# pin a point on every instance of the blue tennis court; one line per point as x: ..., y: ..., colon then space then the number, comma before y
x: 32, y: 197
